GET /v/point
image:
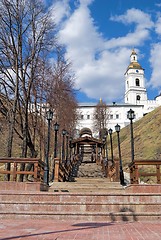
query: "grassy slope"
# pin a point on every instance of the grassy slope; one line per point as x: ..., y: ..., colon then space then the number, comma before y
x: 147, y: 138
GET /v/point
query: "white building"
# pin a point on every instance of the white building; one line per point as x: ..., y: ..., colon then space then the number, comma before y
x: 135, y: 98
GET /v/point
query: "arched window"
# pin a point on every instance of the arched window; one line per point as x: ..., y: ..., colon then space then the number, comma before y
x: 137, y: 81
x: 138, y: 97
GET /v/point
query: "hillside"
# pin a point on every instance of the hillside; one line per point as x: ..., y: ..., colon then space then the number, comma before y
x: 147, y: 138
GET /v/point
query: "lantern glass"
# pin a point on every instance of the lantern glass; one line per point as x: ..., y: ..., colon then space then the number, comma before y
x: 117, y: 128
x: 110, y: 131
x: 63, y: 131
x: 130, y: 114
x: 56, y: 126
x: 49, y: 115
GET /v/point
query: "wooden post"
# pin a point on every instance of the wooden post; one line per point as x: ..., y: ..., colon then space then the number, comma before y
x: 131, y: 174
x: 35, y: 171
x: 136, y: 173
x: 56, y: 169
x: 15, y: 171
x: 158, y: 173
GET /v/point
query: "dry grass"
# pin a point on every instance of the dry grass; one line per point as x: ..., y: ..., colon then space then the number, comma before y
x: 147, y: 138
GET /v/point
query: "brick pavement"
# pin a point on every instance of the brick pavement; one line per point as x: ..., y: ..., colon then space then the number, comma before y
x: 59, y: 230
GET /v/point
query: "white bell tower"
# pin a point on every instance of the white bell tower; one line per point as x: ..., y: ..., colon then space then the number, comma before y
x: 135, y: 91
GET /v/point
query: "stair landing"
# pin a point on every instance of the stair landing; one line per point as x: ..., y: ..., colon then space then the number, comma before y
x: 86, y: 185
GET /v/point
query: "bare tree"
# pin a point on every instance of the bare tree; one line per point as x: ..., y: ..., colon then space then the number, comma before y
x: 101, y: 118
x: 26, y: 33
x: 62, y: 97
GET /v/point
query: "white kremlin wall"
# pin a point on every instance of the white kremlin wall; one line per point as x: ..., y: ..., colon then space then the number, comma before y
x: 135, y: 99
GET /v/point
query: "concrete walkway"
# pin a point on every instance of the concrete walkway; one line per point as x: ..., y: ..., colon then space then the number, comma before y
x: 59, y: 230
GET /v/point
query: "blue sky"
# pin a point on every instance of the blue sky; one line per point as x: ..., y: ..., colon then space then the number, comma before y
x: 99, y: 36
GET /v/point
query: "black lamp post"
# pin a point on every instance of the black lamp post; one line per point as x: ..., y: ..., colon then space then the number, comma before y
x: 56, y: 128
x: 117, y: 128
x: 106, y: 147
x: 49, y: 117
x: 104, y: 144
x: 111, y: 143
x: 131, y: 116
x: 63, y: 144
x: 70, y: 145
x: 67, y: 137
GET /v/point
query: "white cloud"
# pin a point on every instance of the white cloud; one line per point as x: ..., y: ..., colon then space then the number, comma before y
x: 158, y: 26
x: 136, y: 38
x: 155, y: 80
x: 61, y: 10
x: 141, y: 33
x: 85, y: 2
x: 158, y: 4
x: 99, y: 63
x: 136, y: 16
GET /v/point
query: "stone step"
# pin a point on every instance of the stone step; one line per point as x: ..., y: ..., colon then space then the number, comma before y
x: 27, y: 197
x: 90, y: 216
x: 90, y: 170
x: 75, y: 207
x: 86, y: 185
x: 95, y: 207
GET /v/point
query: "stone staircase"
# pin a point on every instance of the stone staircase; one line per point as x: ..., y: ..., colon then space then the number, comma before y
x: 90, y: 170
x: 86, y: 185
x: 89, y: 198
x: 82, y: 206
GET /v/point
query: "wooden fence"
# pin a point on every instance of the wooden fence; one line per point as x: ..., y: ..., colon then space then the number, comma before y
x: 37, y: 168
x: 62, y: 171
x: 137, y: 171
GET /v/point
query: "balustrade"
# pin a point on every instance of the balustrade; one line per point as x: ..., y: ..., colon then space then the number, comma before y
x: 37, y: 170
x: 138, y: 169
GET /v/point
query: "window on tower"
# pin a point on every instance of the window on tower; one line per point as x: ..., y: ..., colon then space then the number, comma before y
x: 138, y: 97
x: 137, y: 82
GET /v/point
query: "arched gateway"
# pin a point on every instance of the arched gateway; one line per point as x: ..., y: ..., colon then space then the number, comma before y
x: 88, y: 147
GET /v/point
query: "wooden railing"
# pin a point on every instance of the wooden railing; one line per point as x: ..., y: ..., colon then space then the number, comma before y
x: 137, y: 171
x: 37, y: 168
x: 62, y: 170
x: 111, y: 169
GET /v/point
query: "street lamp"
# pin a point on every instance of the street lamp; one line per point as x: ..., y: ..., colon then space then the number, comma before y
x: 117, y: 128
x: 110, y: 132
x: 49, y: 117
x: 56, y: 128
x: 67, y: 137
x: 131, y: 116
x: 104, y: 142
x: 70, y: 145
x: 63, y: 144
x: 105, y: 136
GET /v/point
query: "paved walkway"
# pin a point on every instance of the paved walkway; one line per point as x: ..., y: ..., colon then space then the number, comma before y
x: 59, y: 230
